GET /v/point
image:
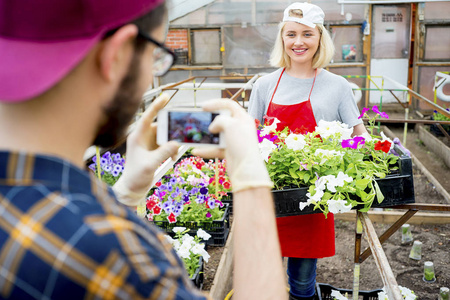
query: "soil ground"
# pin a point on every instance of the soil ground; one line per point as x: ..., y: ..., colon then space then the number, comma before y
x: 338, y: 270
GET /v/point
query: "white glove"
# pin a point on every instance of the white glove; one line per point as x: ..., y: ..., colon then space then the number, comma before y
x: 245, y: 164
x: 143, y: 157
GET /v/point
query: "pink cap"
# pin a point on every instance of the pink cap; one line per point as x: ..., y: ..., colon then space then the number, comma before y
x: 41, y: 41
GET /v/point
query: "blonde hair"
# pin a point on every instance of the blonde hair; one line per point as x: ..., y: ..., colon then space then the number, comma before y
x: 323, y: 56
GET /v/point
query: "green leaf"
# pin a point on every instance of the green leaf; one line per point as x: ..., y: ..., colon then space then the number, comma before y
x: 293, y: 173
x: 362, y: 183
x: 380, y: 196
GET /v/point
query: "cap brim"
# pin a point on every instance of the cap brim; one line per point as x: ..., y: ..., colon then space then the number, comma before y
x: 300, y: 21
x: 30, y: 68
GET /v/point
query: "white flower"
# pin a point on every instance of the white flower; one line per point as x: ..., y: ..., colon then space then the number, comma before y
x: 187, y: 239
x: 302, y: 205
x: 317, y: 196
x: 268, y: 129
x: 406, y: 293
x: 176, y: 244
x: 338, y: 206
x: 205, y: 255
x: 339, y: 180
x: 178, y: 229
x: 321, y: 182
x: 266, y: 147
x: 295, y: 141
x: 184, y: 252
x: 203, y: 234
x: 334, y: 128
x: 198, y: 248
x: 191, y: 179
x: 337, y: 295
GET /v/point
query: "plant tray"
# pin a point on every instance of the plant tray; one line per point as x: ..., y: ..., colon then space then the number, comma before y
x: 397, y: 188
x: 198, y: 277
x: 324, y: 292
x: 229, y: 200
x: 218, y: 229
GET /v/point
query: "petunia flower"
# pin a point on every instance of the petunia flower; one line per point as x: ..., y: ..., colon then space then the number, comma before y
x: 295, y: 141
x: 383, y: 114
x: 179, y: 229
x: 363, y: 111
x: 353, y: 143
x: 208, y: 215
x: 383, y: 146
x: 203, y: 234
x: 266, y: 147
x: 156, y: 210
x: 172, y: 218
x: 338, y: 206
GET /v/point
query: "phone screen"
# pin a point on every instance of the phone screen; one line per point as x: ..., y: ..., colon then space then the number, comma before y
x: 191, y: 127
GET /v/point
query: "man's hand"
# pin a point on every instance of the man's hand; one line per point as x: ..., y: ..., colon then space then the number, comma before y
x: 143, y: 156
x: 245, y: 164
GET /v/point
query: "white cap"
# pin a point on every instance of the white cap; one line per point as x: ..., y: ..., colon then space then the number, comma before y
x: 311, y: 14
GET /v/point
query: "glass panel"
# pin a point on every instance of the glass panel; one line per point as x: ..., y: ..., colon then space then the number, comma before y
x: 173, y: 76
x: 206, y: 47
x: 337, y: 12
x: 348, y: 43
x: 437, y: 42
x: 249, y: 46
x: 426, y: 83
x: 391, y: 32
x: 197, y: 17
x: 270, y: 11
x: 229, y: 12
x: 437, y: 10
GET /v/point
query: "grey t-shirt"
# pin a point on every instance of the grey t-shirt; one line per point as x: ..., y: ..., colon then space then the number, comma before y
x: 331, y: 98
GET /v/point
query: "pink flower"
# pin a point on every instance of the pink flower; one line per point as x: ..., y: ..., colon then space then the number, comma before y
x: 383, y: 114
x: 353, y: 143
x: 208, y: 215
x: 364, y: 110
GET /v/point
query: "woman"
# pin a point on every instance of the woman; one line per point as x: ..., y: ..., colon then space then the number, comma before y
x: 298, y: 94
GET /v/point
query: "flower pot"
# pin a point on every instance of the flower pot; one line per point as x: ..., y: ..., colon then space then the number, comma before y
x: 198, y: 277
x: 324, y: 292
x: 218, y: 229
x: 397, y: 188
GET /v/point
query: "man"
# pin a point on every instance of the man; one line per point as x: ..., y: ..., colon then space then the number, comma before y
x: 72, y: 74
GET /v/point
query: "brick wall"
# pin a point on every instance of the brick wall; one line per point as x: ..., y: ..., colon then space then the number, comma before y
x: 177, y: 39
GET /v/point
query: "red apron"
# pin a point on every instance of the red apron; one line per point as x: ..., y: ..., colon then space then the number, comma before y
x: 304, y: 236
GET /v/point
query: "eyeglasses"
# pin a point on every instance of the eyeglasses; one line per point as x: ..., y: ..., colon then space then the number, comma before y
x: 163, y: 57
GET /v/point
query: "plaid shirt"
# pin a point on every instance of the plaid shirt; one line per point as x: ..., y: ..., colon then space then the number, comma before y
x: 63, y: 235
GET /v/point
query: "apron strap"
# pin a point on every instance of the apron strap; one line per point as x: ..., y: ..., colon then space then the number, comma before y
x: 310, y: 92
x: 276, y: 87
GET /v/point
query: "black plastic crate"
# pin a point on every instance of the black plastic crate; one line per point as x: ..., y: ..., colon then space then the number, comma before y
x: 397, y: 188
x: 218, y: 229
x: 324, y: 292
x: 198, y: 277
x: 228, y: 200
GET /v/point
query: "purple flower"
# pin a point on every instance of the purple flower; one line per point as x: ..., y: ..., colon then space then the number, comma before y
x: 364, y: 110
x: 186, y: 198
x: 200, y: 199
x: 219, y: 202
x: 353, y: 143
x: 118, y: 168
x: 94, y: 158
x: 106, y: 155
x: 204, y: 191
x: 208, y: 215
x: 163, y: 187
x: 117, y: 158
x: 92, y: 167
x: 168, y: 207
x: 115, y: 173
x: 194, y: 190
x: 211, y: 203
x: 383, y: 114
x: 173, y: 180
x: 103, y: 161
x: 107, y: 168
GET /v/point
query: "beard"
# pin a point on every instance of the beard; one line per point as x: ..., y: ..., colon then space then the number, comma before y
x: 122, y: 109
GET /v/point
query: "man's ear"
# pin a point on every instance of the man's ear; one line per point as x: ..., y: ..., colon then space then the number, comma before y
x: 116, y: 51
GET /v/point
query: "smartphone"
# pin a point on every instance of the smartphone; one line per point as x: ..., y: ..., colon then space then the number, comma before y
x: 188, y: 126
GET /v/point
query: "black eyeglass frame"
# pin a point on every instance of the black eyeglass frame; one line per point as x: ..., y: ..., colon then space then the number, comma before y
x: 145, y: 36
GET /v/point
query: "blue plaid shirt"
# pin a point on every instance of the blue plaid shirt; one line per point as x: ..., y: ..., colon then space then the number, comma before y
x: 63, y: 235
